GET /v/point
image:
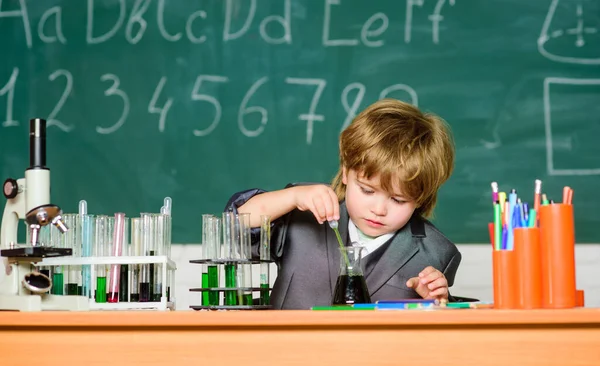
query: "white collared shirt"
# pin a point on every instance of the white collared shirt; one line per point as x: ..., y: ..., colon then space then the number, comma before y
x: 370, y: 245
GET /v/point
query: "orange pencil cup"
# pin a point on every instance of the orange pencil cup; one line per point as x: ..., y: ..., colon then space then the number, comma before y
x: 557, y: 238
x: 506, y: 279
x: 528, y: 252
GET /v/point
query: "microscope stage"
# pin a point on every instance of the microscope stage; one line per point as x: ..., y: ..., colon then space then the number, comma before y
x: 36, y: 252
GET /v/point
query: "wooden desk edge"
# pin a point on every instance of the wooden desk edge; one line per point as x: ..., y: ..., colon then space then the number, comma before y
x: 300, y: 318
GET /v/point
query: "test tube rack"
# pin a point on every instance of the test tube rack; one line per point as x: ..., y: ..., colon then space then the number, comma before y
x: 220, y: 290
x: 167, y: 266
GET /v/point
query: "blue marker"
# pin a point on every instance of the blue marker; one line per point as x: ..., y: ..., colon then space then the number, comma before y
x: 512, y: 201
x: 419, y: 301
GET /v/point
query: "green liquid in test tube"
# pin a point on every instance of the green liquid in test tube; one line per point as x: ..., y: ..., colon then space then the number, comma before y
x: 57, y: 281
x: 56, y: 240
x: 230, y: 277
x: 265, y: 254
x: 72, y: 240
x: 230, y: 241
x: 206, y: 227
x: 245, y: 253
x: 205, y: 297
x: 100, y: 289
x: 214, y: 250
x: 100, y: 243
x: 87, y: 236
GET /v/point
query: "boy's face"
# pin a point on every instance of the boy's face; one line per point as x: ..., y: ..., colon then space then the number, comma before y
x: 374, y: 211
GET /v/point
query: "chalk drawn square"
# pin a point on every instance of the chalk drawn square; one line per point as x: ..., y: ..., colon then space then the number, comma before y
x: 572, y: 124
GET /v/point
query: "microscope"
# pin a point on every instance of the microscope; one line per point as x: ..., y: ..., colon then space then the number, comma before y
x: 21, y: 286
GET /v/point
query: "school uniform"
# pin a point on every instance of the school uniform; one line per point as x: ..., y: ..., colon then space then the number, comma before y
x: 308, y: 257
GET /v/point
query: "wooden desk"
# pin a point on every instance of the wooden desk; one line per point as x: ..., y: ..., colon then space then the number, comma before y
x: 457, y: 337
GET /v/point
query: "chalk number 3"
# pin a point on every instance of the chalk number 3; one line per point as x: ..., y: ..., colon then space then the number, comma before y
x: 114, y: 90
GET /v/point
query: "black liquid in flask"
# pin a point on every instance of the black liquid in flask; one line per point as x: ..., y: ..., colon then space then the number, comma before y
x: 351, y: 290
x: 351, y: 287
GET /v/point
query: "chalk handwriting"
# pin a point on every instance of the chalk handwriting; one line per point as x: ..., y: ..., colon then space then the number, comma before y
x: 232, y: 6
x: 209, y: 99
x: 9, y: 90
x: 24, y: 17
x: 160, y: 21
x: 244, y: 110
x: 310, y: 117
x: 137, y: 17
x: 152, y: 108
x: 114, y: 90
x: 55, y: 11
x: 351, y: 110
x: 52, y: 121
x: 436, y: 18
x: 90, y: 24
x: 580, y: 33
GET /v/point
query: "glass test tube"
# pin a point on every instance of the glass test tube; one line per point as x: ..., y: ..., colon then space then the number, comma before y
x: 265, y: 254
x: 168, y: 242
x: 117, y: 250
x: 206, y: 228
x: 214, y: 252
x: 136, y: 251
x: 230, y: 241
x: 245, y: 270
x: 58, y: 240
x: 124, y: 273
x: 73, y: 280
x: 147, y: 272
x: 100, y: 243
x: 44, y: 240
x: 159, y: 239
x: 110, y: 227
x: 87, y: 235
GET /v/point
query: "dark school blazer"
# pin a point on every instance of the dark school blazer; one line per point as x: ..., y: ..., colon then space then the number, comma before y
x: 308, y: 257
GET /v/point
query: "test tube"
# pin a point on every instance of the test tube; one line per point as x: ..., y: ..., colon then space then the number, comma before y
x: 206, y: 228
x: 245, y: 253
x: 100, y: 242
x: 117, y: 249
x: 167, y: 252
x: 136, y: 251
x: 72, y: 241
x: 124, y: 273
x: 44, y: 237
x: 87, y: 234
x: 159, y: 239
x: 214, y: 252
x: 147, y: 271
x: 230, y: 241
x: 265, y: 254
x: 57, y: 241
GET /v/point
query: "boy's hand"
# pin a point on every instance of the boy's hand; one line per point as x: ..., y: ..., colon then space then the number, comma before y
x: 320, y: 199
x: 431, y: 284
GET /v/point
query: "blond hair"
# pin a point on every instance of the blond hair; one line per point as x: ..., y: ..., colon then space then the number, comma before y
x: 402, y: 145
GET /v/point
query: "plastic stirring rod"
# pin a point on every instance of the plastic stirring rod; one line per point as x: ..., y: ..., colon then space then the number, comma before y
x: 334, y: 225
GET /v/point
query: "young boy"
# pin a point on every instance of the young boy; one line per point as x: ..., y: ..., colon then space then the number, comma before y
x: 393, y: 160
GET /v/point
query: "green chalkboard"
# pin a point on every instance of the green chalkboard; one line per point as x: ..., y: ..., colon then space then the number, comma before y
x: 199, y: 99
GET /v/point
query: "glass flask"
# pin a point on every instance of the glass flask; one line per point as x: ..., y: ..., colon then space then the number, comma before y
x: 351, y: 287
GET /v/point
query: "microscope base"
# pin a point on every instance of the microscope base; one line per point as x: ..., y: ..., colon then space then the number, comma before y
x: 44, y: 303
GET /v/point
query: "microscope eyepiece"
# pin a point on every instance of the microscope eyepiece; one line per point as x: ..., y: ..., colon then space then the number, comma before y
x: 37, y: 143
